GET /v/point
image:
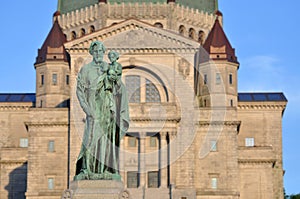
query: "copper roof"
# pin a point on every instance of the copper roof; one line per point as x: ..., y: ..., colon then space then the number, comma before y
x: 67, y: 6
x: 53, y: 47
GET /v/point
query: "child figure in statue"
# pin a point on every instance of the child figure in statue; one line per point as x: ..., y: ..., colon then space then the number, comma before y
x: 114, y: 71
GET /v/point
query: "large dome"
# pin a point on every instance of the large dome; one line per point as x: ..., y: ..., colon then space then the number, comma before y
x: 65, y: 6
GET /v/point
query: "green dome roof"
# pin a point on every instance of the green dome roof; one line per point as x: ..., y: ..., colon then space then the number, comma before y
x: 65, y: 6
x: 209, y: 6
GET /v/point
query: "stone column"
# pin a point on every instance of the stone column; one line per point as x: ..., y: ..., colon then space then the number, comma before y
x: 142, y: 161
x: 172, y: 137
x: 163, y: 160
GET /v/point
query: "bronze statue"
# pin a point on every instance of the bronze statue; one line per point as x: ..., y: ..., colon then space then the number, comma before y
x: 103, y: 98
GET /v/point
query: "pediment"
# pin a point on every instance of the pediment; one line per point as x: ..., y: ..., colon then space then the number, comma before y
x: 132, y: 35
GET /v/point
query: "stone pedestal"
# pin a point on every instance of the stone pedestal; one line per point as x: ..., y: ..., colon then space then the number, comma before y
x: 95, y: 189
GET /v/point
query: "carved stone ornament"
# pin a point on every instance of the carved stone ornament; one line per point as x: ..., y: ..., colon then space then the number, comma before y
x: 184, y: 68
x: 125, y: 195
x: 67, y: 194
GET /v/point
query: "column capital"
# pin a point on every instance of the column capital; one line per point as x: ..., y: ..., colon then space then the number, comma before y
x: 163, y: 134
x: 172, y: 135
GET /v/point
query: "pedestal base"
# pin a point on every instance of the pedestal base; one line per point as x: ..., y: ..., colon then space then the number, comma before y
x: 95, y: 189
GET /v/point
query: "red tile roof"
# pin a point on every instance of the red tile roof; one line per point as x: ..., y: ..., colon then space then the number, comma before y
x: 217, y: 39
x: 53, y: 47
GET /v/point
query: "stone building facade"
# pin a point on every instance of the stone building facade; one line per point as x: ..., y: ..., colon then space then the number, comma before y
x: 192, y: 135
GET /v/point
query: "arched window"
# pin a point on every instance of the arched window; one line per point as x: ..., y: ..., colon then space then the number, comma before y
x: 152, y: 94
x: 82, y: 32
x: 135, y: 85
x: 73, y: 35
x: 192, y: 33
x: 158, y: 25
x: 92, y: 29
x: 182, y: 30
x: 201, y: 37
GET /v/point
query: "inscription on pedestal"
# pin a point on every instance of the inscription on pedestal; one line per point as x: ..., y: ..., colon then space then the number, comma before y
x: 96, y: 189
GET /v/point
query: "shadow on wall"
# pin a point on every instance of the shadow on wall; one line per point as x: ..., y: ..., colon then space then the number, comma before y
x: 17, y: 183
x: 64, y: 104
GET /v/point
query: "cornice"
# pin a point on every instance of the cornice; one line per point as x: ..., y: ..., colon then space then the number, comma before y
x: 143, y: 119
x: 261, y: 106
x: 219, y: 123
x: 15, y: 108
x: 243, y: 148
x: 46, y: 124
x: 140, y: 50
x: 257, y: 161
x: 216, y: 193
x: 13, y: 162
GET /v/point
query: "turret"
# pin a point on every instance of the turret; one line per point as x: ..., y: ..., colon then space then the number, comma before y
x: 52, y: 70
x: 216, y: 82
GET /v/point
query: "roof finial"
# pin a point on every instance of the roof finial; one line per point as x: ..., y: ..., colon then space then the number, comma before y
x: 55, y: 16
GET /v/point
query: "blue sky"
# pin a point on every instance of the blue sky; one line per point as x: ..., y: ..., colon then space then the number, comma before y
x: 264, y: 33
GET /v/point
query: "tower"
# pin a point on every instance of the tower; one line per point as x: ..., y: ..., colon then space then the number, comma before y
x: 216, y: 82
x: 52, y: 71
x: 216, y: 92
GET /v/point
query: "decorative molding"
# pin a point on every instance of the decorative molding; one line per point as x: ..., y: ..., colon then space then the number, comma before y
x: 140, y: 51
x: 46, y: 124
x: 261, y: 106
x: 13, y: 162
x: 78, y: 17
x: 141, y: 119
x: 219, y: 123
x: 200, y: 192
x: 134, y: 36
x: 257, y: 161
x: 242, y: 148
x: 16, y: 107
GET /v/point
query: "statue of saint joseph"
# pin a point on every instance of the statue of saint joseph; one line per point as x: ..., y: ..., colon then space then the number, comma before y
x: 103, y: 98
